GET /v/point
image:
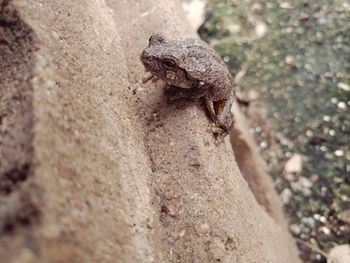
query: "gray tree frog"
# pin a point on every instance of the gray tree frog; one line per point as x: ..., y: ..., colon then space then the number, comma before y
x: 194, y: 67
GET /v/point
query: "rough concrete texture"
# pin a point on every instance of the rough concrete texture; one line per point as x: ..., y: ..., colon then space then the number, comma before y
x: 96, y: 167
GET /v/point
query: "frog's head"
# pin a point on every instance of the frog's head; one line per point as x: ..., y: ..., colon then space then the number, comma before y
x: 162, y: 58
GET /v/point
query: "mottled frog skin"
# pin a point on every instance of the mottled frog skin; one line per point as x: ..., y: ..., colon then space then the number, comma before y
x: 194, y: 67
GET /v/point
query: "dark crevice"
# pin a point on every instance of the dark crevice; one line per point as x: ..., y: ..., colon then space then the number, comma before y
x: 18, y: 194
x: 13, y: 177
x: 16, y: 58
x: 19, y: 210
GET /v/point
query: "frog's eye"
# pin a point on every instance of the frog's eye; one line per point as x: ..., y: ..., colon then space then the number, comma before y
x: 169, y: 63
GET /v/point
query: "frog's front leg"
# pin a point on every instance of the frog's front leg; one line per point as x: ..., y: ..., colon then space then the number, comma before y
x: 224, y: 116
x: 210, y: 106
x: 149, y: 77
x: 220, y: 112
x: 214, y: 127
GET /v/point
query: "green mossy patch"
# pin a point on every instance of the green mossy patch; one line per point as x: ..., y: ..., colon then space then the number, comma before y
x: 297, y: 56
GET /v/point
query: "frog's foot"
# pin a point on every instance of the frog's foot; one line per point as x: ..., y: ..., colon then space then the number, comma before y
x: 218, y: 132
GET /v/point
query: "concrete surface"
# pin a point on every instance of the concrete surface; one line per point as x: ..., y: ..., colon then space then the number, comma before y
x: 96, y: 167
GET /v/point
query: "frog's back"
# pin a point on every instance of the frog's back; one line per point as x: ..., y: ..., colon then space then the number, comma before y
x: 197, y: 48
x: 202, y: 63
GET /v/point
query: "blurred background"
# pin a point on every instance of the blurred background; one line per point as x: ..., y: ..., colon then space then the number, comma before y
x: 291, y: 63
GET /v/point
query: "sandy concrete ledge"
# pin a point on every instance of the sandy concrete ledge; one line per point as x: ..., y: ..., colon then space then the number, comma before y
x: 114, y: 173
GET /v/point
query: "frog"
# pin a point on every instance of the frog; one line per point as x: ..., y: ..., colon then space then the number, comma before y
x: 197, y: 71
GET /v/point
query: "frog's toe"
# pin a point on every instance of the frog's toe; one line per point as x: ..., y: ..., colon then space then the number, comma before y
x: 218, y: 132
x: 214, y: 128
